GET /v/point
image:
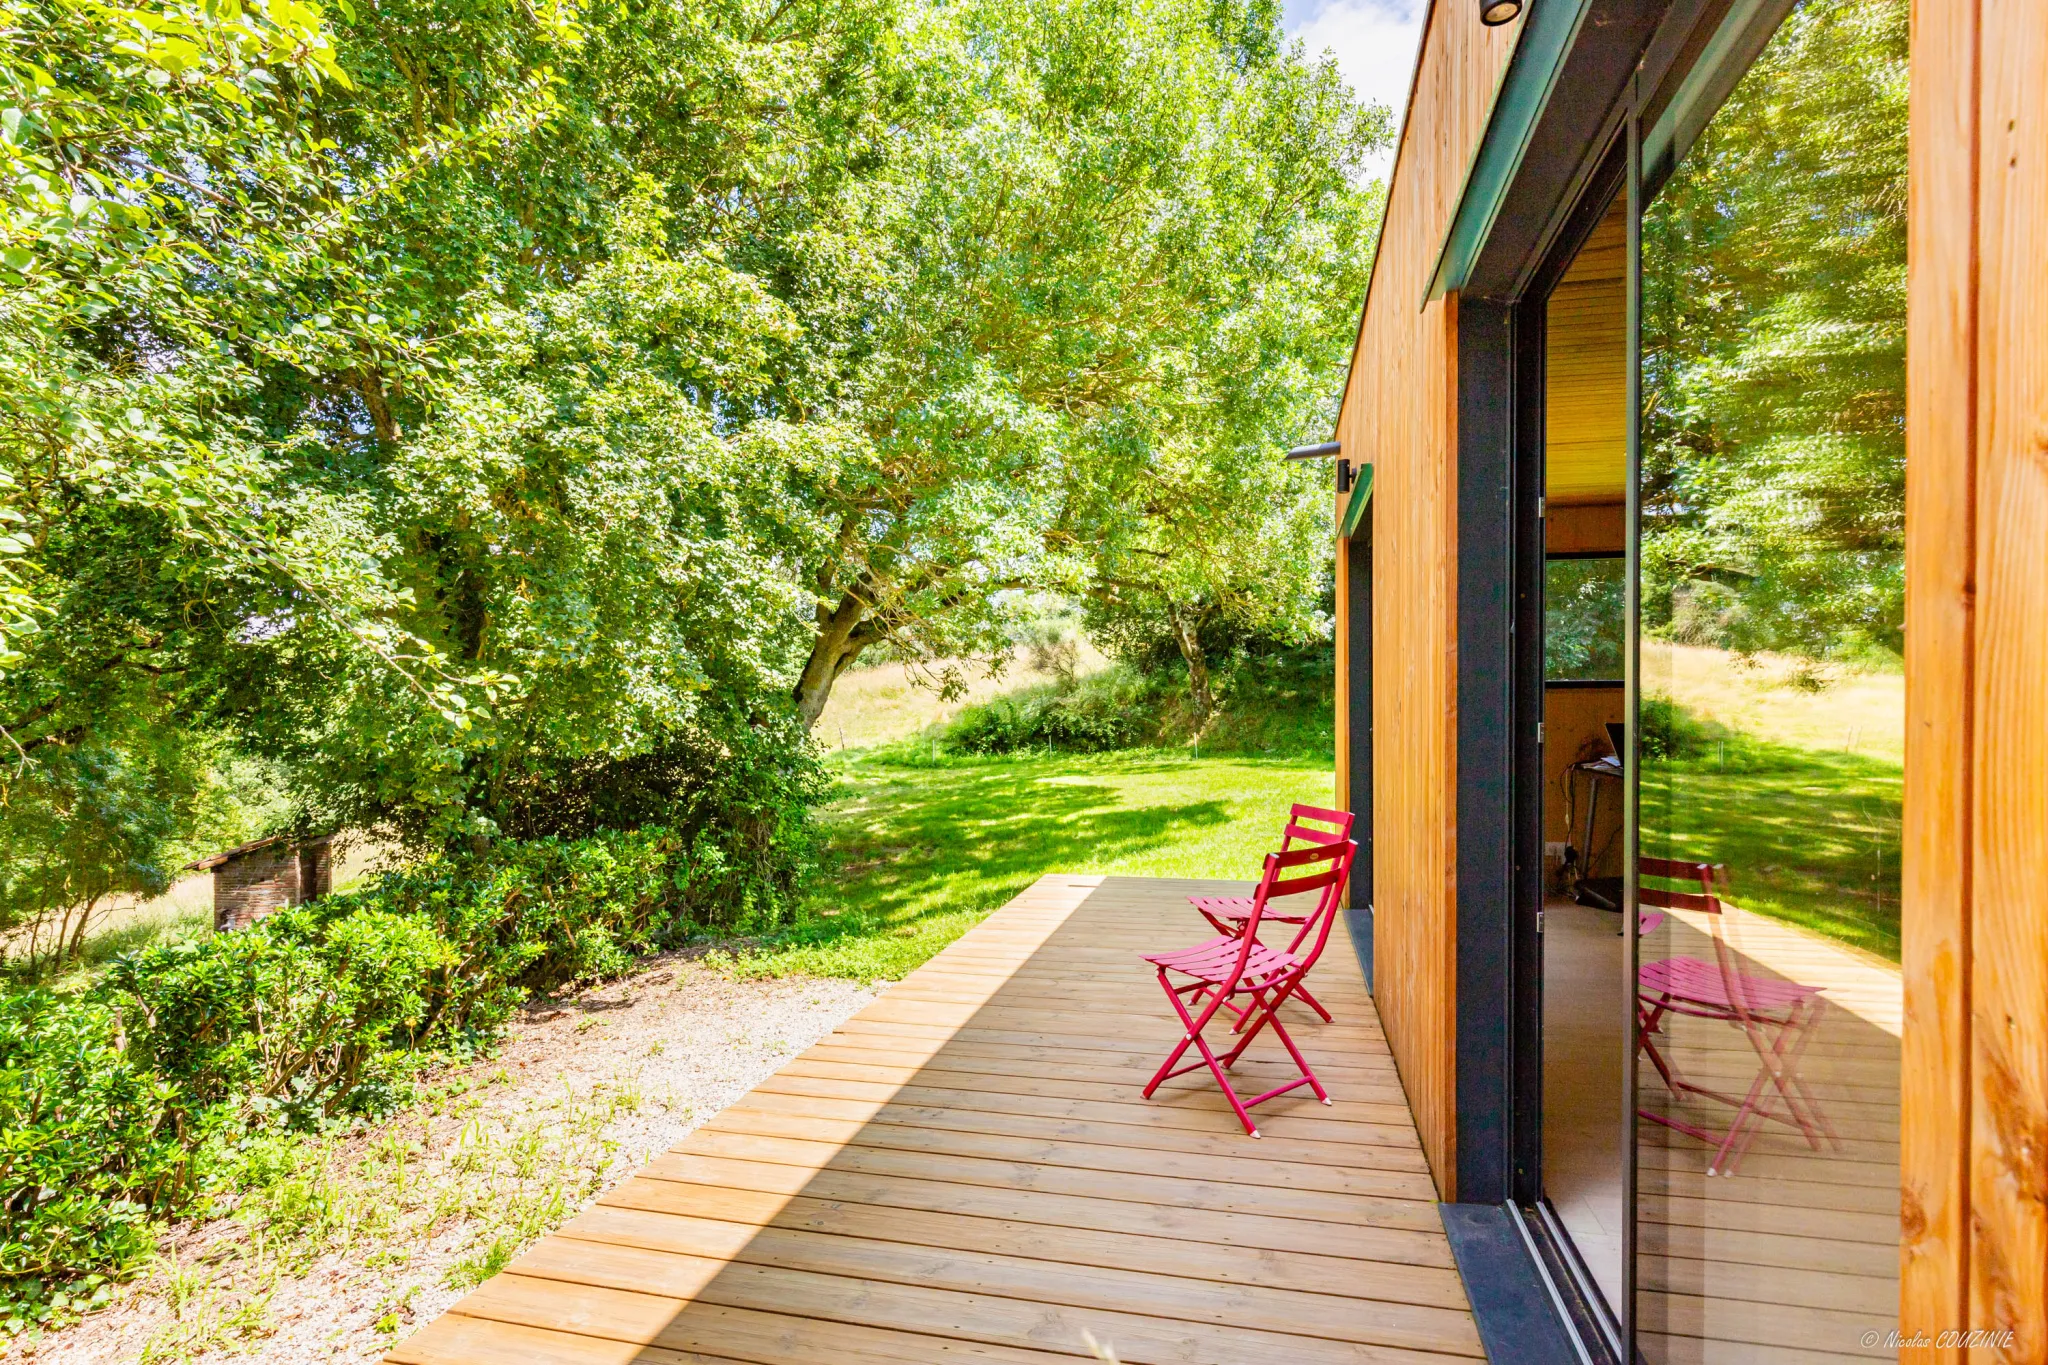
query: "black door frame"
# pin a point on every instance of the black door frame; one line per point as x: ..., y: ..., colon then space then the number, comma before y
x: 1637, y: 81
x: 1357, y: 796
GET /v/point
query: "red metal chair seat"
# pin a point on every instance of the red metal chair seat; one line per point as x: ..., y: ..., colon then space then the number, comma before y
x: 1215, y: 960
x: 1698, y: 988
x: 1776, y: 1016
x: 1238, y: 908
x: 1219, y: 972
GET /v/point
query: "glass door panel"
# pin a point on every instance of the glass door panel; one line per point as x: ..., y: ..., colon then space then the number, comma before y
x: 1585, y: 996
x: 1771, y: 709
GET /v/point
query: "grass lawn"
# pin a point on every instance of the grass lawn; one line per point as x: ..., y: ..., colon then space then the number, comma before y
x: 921, y: 852
x: 1797, y: 791
x: 1809, y: 837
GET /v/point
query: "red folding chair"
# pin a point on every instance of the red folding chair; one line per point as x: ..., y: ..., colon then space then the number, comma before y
x: 1229, y: 914
x: 1778, y: 1017
x: 1233, y: 966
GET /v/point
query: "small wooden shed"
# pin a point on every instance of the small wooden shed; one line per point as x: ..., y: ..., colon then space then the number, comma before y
x: 256, y: 879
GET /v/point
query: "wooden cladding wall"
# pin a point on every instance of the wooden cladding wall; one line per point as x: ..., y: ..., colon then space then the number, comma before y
x: 1974, y: 1142
x: 1399, y: 416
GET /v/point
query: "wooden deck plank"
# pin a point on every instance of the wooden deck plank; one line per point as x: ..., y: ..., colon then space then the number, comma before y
x: 734, y: 1139
x: 1054, y: 1174
x: 966, y: 1170
x: 1432, y: 1285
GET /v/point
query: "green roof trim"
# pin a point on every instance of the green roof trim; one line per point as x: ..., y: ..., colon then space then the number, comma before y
x: 1742, y: 34
x: 1547, y: 37
x: 1354, y: 505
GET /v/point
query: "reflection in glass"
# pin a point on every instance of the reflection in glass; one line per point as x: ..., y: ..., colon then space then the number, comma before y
x: 1772, y: 706
x: 1585, y: 987
x: 1582, y: 619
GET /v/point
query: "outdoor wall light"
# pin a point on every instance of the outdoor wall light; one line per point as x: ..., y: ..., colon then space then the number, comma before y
x: 1493, y: 13
x: 1324, y: 450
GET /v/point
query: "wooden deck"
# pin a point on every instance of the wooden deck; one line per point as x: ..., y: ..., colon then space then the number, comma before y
x: 1796, y: 1258
x: 965, y: 1171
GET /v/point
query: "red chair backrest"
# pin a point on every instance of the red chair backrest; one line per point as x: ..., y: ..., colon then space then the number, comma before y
x: 1319, y: 867
x: 1339, y: 820
x: 1709, y: 876
x: 1709, y: 899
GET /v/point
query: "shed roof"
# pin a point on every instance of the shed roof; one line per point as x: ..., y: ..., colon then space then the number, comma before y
x: 253, y: 846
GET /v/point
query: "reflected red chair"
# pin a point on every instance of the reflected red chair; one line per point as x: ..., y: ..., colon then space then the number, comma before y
x: 1230, y: 967
x: 1778, y: 1017
x: 1228, y: 914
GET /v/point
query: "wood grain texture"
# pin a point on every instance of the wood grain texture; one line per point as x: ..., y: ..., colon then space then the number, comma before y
x: 966, y: 1171
x: 2008, y: 1262
x: 1940, y: 587
x: 1585, y: 371
x: 1398, y: 415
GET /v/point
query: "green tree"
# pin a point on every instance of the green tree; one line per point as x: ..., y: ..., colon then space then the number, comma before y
x: 1124, y: 260
x: 93, y: 822
x: 569, y: 518
x: 1774, y: 272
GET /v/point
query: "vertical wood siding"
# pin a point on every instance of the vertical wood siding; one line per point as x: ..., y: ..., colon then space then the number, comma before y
x: 1974, y: 1145
x: 2009, y: 810
x: 1399, y: 415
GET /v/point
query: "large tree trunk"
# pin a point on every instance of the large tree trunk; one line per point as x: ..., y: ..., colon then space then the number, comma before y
x: 839, y: 641
x: 1187, y: 634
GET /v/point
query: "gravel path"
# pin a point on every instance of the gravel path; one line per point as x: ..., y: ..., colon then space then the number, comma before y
x: 579, y: 1097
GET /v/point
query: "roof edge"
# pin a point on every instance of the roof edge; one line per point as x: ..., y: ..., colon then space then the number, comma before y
x: 1524, y: 92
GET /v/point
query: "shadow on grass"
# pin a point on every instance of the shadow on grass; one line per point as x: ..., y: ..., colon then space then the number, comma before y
x: 1810, y: 836
x: 920, y: 853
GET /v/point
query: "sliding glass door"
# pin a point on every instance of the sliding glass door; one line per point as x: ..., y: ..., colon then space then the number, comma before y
x: 1768, y: 547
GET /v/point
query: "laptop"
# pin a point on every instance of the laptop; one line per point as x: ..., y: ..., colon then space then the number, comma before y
x: 1617, y: 739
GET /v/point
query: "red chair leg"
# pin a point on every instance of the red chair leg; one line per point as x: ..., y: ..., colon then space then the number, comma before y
x: 1193, y: 1035
x: 1307, y: 1073
x: 1302, y: 995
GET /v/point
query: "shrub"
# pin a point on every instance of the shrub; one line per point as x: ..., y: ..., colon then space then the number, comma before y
x: 307, y: 1013
x: 122, y: 1105
x: 1278, y: 702
x: 735, y: 797
x: 1670, y: 731
x: 85, y: 1145
x: 1114, y: 709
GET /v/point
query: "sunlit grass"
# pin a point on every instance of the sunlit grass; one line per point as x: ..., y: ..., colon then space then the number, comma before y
x: 919, y: 854
x: 1809, y: 836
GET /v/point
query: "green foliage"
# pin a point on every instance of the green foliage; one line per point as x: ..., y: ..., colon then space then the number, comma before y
x: 1584, y: 618
x: 456, y: 407
x: 1125, y: 259
x: 1276, y: 701
x: 127, y: 1103
x: 575, y: 520
x: 92, y: 822
x: 1774, y: 273
x: 306, y: 1013
x: 85, y: 1143
x: 1114, y: 709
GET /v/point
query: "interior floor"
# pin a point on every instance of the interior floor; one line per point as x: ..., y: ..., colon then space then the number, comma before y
x: 1584, y: 1004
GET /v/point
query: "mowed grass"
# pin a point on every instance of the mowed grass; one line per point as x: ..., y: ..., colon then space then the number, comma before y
x: 1809, y: 837
x: 920, y: 853
x: 1796, y: 790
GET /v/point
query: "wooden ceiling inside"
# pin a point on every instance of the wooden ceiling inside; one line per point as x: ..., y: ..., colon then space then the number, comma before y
x: 1586, y: 363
